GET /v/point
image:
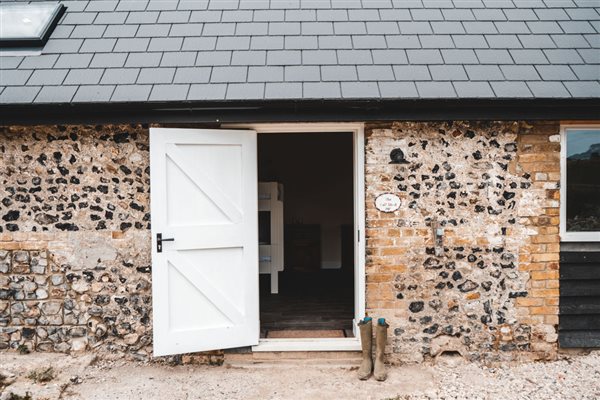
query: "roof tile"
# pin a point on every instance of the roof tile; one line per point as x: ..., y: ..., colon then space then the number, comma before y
x: 435, y: 89
x: 156, y: 75
x: 229, y: 74
x: 335, y: 42
x: 199, y: 43
x: 302, y: 73
x: 321, y: 90
x: 33, y: 62
x: 424, y: 57
x: 120, y: 76
x: 459, y: 56
x: 411, y: 73
x: 556, y: 73
x: 62, y: 46
x: 192, y: 75
x: 131, y: 93
x: 165, y: 44
x: 242, y: 91
x: 563, y: 56
x: 111, y: 18
x: 142, y: 17
x: 529, y: 56
x: 14, y: 77
x: 283, y: 90
x: 583, y: 89
x: 143, y: 59
x: 513, y: 89
x: 55, y: 94
x: 47, y: 77
x: 158, y: 30
x: 385, y: 56
x: 469, y: 41
x: 484, y: 73
x: 108, y: 60
x: 448, y: 73
x: 178, y: 59
x: 252, y: 57
x: 265, y: 74
x: 473, y: 89
x: 118, y: 31
x: 84, y: 76
x: 547, y: 89
x: 587, y: 72
x: 93, y: 93
x: 398, y: 90
x: 360, y: 90
x: 519, y: 72
x: 131, y: 44
x: 319, y: 57
x: 375, y: 73
x: 544, y: 27
x: 168, y: 92
x: 213, y: 58
x: 19, y: 94
x: 97, y: 45
x: 338, y: 73
x: 207, y: 91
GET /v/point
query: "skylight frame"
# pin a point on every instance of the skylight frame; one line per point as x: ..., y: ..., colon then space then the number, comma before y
x: 43, y: 36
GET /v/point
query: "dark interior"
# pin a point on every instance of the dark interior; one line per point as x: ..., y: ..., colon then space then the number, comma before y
x: 316, y: 287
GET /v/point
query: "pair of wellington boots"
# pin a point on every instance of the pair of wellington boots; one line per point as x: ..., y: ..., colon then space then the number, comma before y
x: 366, y: 340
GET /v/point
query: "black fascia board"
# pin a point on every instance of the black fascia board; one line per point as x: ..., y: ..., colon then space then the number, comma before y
x: 300, y: 111
x: 40, y: 40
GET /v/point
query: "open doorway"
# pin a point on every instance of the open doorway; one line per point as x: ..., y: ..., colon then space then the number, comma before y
x: 312, y: 175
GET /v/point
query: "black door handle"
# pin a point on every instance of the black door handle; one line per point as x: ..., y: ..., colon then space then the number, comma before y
x: 159, y: 240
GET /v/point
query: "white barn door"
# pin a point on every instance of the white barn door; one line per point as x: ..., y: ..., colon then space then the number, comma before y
x: 205, y: 281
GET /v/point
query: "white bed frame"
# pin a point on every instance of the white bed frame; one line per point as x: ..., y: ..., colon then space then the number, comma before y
x: 270, y: 198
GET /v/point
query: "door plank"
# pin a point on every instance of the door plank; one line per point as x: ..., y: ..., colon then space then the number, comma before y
x: 204, y: 183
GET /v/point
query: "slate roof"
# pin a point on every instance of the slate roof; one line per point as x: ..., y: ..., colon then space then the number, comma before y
x: 195, y: 50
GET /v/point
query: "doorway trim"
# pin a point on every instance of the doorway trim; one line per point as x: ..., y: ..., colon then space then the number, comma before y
x: 358, y: 134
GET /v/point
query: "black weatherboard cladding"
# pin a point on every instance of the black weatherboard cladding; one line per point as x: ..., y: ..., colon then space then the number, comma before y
x: 579, y: 323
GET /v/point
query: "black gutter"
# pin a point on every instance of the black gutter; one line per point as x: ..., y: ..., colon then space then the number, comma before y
x: 301, y: 111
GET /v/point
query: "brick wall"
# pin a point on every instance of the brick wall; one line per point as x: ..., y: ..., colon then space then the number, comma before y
x: 489, y: 291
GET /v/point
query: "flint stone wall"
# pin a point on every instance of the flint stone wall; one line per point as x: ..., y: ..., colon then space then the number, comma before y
x: 75, y: 270
x: 75, y: 239
x: 489, y: 291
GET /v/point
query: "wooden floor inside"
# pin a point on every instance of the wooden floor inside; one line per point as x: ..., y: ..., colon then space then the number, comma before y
x: 308, y: 301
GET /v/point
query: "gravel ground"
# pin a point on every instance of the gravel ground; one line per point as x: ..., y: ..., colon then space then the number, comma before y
x: 576, y: 378
x: 572, y: 377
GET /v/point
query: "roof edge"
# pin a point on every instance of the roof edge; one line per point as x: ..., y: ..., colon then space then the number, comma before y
x: 301, y: 111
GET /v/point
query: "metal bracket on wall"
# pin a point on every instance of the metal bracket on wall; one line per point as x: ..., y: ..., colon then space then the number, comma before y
x: 438, y: 237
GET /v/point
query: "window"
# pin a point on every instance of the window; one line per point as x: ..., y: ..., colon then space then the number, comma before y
x: 580, y: 183
x: 28, y: 25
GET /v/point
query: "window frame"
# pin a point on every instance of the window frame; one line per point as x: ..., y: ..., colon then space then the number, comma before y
x: 591, y: 236
x: 31, y: 41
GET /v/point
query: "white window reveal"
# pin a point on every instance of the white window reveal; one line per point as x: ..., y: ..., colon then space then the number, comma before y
x: 580, y: 183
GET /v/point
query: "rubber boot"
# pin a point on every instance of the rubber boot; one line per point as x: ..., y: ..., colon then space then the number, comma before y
x: 366, y: 339
x: 380, y: 372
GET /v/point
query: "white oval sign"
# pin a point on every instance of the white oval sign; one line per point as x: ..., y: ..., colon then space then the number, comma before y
x: 387, y: 202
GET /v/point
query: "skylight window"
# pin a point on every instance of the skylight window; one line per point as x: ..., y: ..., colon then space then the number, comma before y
x: 28, y: 25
